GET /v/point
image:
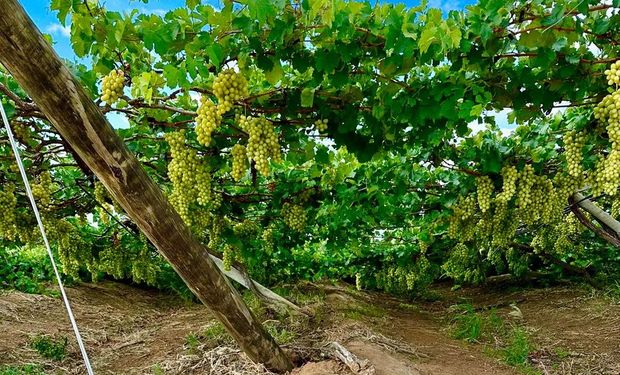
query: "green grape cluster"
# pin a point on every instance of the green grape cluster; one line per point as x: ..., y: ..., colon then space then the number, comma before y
x: 239, y: 162
x: 262, y: 142
x: 510, y: 176
x: 246, y: 228
x: 8, y: 220
x: 43, y: 190
x: 215, y: 232
x: 112, y: 86
x: 573, y: 144
x: 615, y: 208
x: 228, y: 257
x: 229, y: 87
x: 101, y: 197
x: 358, y: 282
x: 526, y: 181
x: 72, y: 250
x: 462, y: 212
x: 207, y: 120
x: 607, y: 109
x: 613, y: 74
x: 294, y: 216
x: 321, y: 125
x: 464, y: 264
x: 484, y: 190
x: 22, y: 132
x: 565, y: 186
x: 268, y: 240
x: 190, y: 177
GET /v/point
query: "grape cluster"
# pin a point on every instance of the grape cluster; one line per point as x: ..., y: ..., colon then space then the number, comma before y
x: 294, y: 216
x: 526, y: 181
x: 101, y: 197
x: 207, y: 120
x: 268, y: 241
x: 8, y: 202
x: 485, y: 190
x: 112, y: 86
x: 228, y: 257
x: 190, y: 177
x: 615, y: 208
x: 573, y: 144
x: 43, y: 190
x: 613, y: 74
x: 215, y: 233
x: 321, y: 125
x: 262, y: 142
x: 509, y: 183
x: 239, y: 162
x: 229, y: 87
x: 246, y: 228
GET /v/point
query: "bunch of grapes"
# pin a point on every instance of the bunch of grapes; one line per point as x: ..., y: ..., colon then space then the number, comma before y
x: 203, y: 185
x: 321, y: 125
x: 101, y: 197
x: 207, y: 120
x: 246, y: 228
x: 526, y: 181
x: 228, y: 257
x: 215, y: 233
x: 268, y: 241
x: 239, y: 162
x: 262, y: 142
x: 509, y: 183
x: 112, y: 86
x: 191, y: 180
x: 485, y: 190
x: 8, y: 203
x: 573, y: 144
x: 608, y: 108
x: 22, y: 132
x: 294, y: 216
x: 615, y: 208
x: 229, y: 87
x: 44, y: 189
x: 565, y: 187
x: 613, y: 74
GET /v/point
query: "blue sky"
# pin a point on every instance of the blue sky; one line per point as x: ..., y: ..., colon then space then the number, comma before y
x: 47, y: 22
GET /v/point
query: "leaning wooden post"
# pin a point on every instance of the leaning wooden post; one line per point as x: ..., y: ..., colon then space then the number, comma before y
x: 34, y: 64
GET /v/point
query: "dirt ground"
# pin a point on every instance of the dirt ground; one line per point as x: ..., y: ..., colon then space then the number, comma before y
x: 134, y: 331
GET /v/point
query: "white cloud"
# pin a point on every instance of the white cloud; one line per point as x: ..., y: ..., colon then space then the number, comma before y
x: 57, y: 28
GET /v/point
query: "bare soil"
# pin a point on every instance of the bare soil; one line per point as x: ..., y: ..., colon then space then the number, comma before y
x: 135, y: 331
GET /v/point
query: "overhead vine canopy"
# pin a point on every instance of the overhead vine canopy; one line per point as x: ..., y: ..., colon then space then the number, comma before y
x: 332, y: 138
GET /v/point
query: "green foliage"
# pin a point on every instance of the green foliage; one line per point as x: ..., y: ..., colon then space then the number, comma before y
x: 26, y: 269
x: 509, y: 342
x: 518, y: 349
x: 28, y: 369
x: 49, y: 347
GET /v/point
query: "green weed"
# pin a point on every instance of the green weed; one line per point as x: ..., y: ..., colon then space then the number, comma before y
x: 29, y: 369
x: 157, y: 370
x: 49, y: 347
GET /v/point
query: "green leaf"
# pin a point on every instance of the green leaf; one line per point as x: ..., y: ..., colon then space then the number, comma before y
x: 275, y: 74
x: 216, y: 54
x: 307, y: 97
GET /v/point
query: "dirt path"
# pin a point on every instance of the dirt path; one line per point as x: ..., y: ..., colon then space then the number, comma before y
x: 133, y: 331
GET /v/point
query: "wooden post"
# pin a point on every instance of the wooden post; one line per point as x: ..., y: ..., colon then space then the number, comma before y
x: 40, y: 72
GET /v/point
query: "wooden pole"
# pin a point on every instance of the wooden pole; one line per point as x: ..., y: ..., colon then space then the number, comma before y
x: 34, y: 64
